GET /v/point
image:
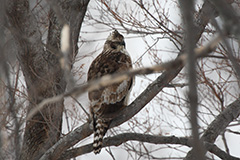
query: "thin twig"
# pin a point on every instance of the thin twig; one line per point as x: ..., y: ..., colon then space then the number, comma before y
x: 110, y: 153
x: 84, y: 110
x: 234, y: 61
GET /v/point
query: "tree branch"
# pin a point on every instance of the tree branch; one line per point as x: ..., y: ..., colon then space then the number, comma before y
x: 187, y: 9
x: 218, y: 152
x: 153, y: 139
x: 122, y: 138
x: 231, y: 112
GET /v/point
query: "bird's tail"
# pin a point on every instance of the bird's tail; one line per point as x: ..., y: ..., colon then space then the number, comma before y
x: 100, y: 128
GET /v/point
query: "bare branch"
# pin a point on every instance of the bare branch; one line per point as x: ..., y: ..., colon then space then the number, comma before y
x: 220, y: 123
x: 68, y: 141
x: 187, y: 9
x: 115, y: 78
x: 80, y: 105
x: 218, y: 152
x: 233, y: 60
x: 153, y: 139
x: 231, y: 112
x: 122, y: 138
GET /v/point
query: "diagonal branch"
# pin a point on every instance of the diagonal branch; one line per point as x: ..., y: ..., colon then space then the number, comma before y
x: 218, y: 152
x: 231, y: 112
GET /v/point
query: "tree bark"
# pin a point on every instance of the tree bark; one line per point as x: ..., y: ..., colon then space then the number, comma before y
x: 42, y: 71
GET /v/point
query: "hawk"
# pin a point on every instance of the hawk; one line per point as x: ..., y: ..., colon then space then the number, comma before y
x: 106, y: 102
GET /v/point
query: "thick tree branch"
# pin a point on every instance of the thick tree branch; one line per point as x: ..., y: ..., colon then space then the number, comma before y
x: 153, y: 139
x: 187, y: 9
x: 220, y: 123
x: 71, y: 13
x: 122, y: 138
x: 68, y: 17
x: 74, y: 11
x: 218, y: 152
x: 231, y: 112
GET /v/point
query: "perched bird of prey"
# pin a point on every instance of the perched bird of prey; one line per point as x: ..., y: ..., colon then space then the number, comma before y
x: 105, y: 103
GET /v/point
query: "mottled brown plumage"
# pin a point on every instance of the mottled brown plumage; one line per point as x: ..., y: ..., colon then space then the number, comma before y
x: 108, y: 101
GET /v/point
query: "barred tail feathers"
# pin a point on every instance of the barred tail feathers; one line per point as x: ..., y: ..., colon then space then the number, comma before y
x: 100, y: 128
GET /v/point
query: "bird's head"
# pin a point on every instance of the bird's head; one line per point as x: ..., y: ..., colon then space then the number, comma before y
x: 115, y: 41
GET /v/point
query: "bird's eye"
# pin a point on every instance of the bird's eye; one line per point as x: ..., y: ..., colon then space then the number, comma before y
x: 113, y: 45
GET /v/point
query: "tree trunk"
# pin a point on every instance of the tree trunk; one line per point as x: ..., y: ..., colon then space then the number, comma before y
x: 42, y: 71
